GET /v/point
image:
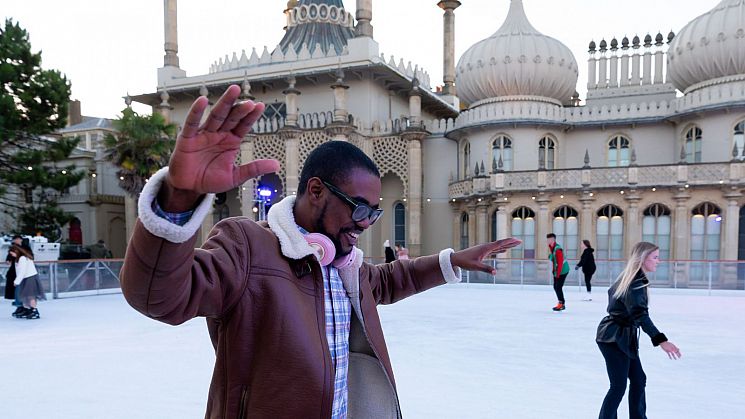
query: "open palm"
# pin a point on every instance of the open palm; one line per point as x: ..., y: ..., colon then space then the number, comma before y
x: 204, y: 158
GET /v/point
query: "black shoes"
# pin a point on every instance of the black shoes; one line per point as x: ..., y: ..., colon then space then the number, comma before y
x: 26, y: 313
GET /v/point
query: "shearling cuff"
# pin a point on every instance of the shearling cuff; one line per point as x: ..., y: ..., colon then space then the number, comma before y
x: 658, y: 338
x: 161, y: 227
x: 450, y: 273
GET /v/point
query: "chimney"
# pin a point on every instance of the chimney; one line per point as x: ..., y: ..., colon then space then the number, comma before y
x: 74, y: 116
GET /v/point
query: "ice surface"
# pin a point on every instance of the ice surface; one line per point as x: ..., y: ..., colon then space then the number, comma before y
x: 459, y: 351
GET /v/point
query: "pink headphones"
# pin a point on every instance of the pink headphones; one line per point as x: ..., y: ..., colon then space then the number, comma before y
x: 326, y: 251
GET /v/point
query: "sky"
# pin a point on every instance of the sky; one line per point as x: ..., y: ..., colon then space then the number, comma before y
x: 107, y: 49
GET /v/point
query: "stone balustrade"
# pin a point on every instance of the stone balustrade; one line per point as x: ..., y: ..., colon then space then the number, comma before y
x: 702, y: 174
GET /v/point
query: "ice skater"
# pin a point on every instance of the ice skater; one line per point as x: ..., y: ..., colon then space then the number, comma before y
x: 587, y: 263
x: 559, y: 269
x: 617, y: 335
x: 27, y: 282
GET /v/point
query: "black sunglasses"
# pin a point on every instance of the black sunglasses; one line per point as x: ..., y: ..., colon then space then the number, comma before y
x: 360, y: 211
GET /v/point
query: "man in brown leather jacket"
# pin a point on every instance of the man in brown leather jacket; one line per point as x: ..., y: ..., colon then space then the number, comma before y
x: 293, y: 338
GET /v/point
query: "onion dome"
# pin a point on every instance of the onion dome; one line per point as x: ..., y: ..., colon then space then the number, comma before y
x: 603, y: 45
x: 625, y: 42
x: 648, y: 40
x: 592, y: 46
x: 516, y: 60
x: 659, y: 40
x: 636, y: 41
x: 670, y: 37
x: 614, y: 44
x: 709, y: 47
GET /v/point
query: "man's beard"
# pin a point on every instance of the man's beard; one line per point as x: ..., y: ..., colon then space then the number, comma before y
x: 319, y: 228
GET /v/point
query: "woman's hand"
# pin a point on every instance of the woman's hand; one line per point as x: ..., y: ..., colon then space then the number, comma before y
x: 672, y: 351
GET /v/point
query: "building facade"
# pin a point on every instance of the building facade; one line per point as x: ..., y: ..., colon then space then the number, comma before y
x: 503, y: 147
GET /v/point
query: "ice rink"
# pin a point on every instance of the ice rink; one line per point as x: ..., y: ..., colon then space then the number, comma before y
x: 459, y: 351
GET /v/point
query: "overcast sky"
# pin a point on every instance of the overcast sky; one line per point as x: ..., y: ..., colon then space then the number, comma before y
x: 109, y: 48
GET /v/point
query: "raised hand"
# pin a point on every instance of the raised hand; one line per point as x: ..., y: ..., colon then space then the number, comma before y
x: 204, y: 158
x: 471, y: 259
x: 672, y: 351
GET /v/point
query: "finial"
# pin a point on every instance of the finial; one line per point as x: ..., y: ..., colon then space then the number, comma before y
x: 483, y: 171
x: 603, y: 45
x: 682, y: 154
x: 203, y: 90
x: 614, y: 44
x: 587, y: 159
x: 648, y: 41
x: 658, y: 40
x: 625, y: 43
x: 164, y: 96
x: 636, y: 42
x: 494, y: 165
x: 476, y: 170
x: 128, y: 100
x: 670, y: 36
x: 500, y: 163
x: 592, y: 47
x: 633, y: 156
x: 735, y: 152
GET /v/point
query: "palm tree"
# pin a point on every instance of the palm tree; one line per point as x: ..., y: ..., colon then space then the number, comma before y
x: 142, y: 146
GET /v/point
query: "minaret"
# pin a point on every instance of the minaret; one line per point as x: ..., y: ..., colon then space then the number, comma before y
x: 364, y: 17
x: 170, y: 69
x: 448, y: 61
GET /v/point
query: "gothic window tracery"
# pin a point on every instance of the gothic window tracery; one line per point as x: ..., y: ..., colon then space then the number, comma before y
x: 619, y: 151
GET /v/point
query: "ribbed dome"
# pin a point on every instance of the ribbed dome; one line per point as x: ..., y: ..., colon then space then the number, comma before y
x: 710, y: 46
x: 516, y: 61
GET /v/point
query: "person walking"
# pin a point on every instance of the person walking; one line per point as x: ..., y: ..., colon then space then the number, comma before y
x: 389, y: 255
x: 587, y: 263
x: 27, y: 282
x: 559, y: 269
x: 617, y: 335
x: 99, y: 250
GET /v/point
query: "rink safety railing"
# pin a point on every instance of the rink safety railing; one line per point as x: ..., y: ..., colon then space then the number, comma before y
x: 75, y: 278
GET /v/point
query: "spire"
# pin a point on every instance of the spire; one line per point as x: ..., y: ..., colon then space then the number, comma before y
x: 516, y: 21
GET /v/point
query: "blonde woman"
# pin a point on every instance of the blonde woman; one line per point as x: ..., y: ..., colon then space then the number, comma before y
x: 618, y: 332
x: 27, y: 280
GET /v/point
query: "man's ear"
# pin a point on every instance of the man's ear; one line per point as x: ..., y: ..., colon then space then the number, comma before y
x: 315, y: 188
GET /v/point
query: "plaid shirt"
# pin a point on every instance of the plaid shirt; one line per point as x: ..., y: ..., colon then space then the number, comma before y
x: 338, y: 313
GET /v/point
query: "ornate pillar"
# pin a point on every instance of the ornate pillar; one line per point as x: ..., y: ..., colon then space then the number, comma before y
x: 248, y: 189
x: 542, y: 226
x: 681, y: 230
x: 586, y: 217
x: 482, y: 227
x: 592, y: 64
x: 340, y: 128
x: 633, y: 222
x: 171, y: 33
x: 364, y: 17
x: 471, y: 223
x: 502, y: 225
x: 291, y: 94
x: 448, y: 45
x: 165, y: 108
x: 731, y: 224
x: 415, y: 105
x: 647, y: 74
x: 413, y: 138
x: 455, y: 207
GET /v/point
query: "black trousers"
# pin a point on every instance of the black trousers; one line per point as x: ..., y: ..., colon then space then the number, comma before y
x: 588, y: 278
x: 559, y: 285
x: 620, y: 369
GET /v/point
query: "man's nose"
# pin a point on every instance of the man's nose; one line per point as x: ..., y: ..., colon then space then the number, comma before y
x: 364, y: 224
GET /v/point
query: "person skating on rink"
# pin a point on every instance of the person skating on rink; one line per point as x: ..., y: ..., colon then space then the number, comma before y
x: 587, y: 263
x: 291, y: 306
x: 617, y: 335
x: 559, y: 269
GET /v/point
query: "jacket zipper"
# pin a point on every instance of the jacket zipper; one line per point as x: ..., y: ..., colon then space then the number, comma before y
x: 243, y: 404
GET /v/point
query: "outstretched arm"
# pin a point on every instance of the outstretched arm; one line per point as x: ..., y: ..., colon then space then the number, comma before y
x: 471, y: 259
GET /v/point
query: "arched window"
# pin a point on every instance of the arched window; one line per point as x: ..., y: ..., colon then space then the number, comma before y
x: 399, y: 224
x: 693, y: 144
x: 619, y: 151
x: 523, y: 228
x: 464, y: 231
x: 493, y: 235
x: 547, y: 153
x: 739, y: 139
x: 567, y: 230
x: 610, y: 232
x: 501, y: 147
x: 466, y: 159
x: 656, y: 228
x: 706, y: 228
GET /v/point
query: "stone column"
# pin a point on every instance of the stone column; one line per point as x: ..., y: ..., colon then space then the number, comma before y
x: 681, y: 229
x: 448, y: 45
x: 542, y: 226
x: 731, y: 224
x: 248, y: 189
x: 415, y: 105
x: 171, y: 33
x: 455, y: 207
x: 647, y: 74
x: 364, y: 17
x: 291, y: 94
x: 624, y: 67
x: 592, y: 78
x: 586, y: 217
x: 340, y: 128
x: 613, y: 82
x: 165, y: 108
x: 291, y: 138
x: 633, y: 222
x: 471, y: 223
x: 414, y: 138
x: 482, y: 226
x: 635, y: 78
x: 502, y: 221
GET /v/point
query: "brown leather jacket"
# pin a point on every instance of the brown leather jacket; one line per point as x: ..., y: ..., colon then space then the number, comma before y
x: 265, y: 314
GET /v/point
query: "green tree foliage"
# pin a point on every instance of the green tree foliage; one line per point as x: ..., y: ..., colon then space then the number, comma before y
x: 33, y: 104
x: 142, y: 146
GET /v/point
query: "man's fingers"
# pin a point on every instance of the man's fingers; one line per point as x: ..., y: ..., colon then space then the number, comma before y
x: 247, y: 122
x: 191, y: 124
x: 222, y: 108
x: 236, y: 115
x: 254, y: 169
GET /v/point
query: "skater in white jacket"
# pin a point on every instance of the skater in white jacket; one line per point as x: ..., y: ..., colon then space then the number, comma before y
x: 27, y: 281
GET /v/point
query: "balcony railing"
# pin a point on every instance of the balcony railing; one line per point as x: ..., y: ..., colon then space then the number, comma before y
x: 670, y: 175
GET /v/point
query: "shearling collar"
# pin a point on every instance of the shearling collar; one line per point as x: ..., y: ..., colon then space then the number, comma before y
x: 281, y: 221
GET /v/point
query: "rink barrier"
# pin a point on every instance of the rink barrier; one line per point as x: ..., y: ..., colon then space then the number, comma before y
x: 75, y: 278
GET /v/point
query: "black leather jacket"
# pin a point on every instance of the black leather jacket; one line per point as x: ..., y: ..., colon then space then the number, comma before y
x: 626, y: 315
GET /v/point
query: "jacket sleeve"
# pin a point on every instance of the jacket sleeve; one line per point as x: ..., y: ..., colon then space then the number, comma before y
x: 559, y: 262
x: 639, y: 312
x: 397, y: 280
x: 21, y: 267
x: 166, y: 278
x: 582, y: 259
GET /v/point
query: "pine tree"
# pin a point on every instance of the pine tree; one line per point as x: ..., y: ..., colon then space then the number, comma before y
x: 33, y: 104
